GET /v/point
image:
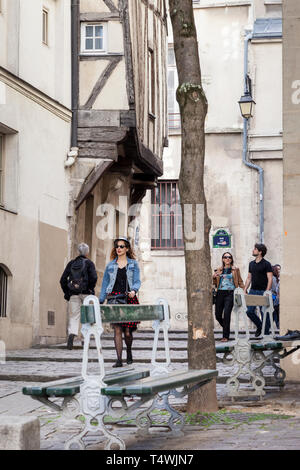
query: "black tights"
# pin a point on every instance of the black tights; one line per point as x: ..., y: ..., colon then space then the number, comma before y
x: 119, y: 342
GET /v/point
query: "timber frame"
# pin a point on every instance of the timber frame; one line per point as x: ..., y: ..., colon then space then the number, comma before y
x: 120, y: 138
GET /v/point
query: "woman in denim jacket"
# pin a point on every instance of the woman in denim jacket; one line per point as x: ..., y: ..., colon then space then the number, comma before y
x: 122, y: 275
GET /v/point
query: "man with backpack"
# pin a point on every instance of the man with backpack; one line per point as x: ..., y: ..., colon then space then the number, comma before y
x: 77, y: 281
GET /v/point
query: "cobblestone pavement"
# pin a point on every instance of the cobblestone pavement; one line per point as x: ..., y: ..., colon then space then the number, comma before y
x: 24, y: 367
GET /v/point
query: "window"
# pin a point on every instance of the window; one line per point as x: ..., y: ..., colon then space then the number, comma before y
x: 45, y: 26
x: 166, y: 217
x: 3, y: 292
x: 93, y: 38
x: 173, y: 107
x: 1, y: 169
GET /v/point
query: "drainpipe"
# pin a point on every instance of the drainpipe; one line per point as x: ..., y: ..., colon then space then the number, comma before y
x: 245, y: 146
x: 75, y: 72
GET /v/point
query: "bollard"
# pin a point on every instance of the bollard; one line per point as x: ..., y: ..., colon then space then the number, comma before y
x: 19, y: 433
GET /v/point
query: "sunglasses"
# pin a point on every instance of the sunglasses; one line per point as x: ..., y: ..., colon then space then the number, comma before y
x: 227, y: 257
x: 120, y: 246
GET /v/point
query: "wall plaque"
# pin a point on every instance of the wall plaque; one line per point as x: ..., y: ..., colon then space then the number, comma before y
x: 221, y: 239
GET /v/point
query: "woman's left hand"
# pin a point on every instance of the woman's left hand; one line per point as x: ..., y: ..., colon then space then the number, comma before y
x: 131, y: 294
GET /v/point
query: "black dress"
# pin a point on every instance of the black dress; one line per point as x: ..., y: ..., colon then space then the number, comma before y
x: 120, y: 287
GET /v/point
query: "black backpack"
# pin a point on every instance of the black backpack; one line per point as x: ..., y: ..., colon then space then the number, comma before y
x: 78, y: 277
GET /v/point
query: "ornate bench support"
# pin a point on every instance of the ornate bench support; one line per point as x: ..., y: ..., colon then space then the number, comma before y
x: 242, y: 355
x: 92, y: 403
x: 161, y: 368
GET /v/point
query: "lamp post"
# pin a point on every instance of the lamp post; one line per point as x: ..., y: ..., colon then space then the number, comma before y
x: 247, y: 105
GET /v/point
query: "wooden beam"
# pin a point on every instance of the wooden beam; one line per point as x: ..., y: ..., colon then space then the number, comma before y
x: 91, y: 181
x: 124, y: 16
x: 101, y: 82
x: 110, y: 4
x: 128, y: 118
x: 84, y: 57
x: 101, y: 134
x: 98, y: 150
x: 91, y: 17
x: 97, y: 118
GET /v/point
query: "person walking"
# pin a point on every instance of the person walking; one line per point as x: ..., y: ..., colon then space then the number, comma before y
x: 226, y: 279
x: 77, y: 281
x: 260, y: 278
x: 122, y: 276
x: 275, y: 292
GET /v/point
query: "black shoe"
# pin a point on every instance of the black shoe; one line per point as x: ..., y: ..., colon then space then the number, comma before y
x: 129, y: 358
x: 70, y: 341
x: 118, y: 364
x: 257, y: 333
x: 289, y: 336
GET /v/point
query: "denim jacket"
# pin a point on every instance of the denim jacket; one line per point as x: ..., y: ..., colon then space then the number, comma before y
x: 110, y: 275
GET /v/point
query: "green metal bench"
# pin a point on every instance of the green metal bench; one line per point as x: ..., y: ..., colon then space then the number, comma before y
x: 110, y: 394
x: 250, y: 358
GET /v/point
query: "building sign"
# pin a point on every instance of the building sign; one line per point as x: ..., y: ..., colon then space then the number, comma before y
x: 221, y: 239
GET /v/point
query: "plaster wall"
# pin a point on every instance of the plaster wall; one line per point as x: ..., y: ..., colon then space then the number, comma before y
x: 231, y: 187
x: 22, y: 51
x: 33, y: 223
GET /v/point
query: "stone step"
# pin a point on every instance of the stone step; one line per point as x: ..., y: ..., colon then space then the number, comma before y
x: 148, y: 335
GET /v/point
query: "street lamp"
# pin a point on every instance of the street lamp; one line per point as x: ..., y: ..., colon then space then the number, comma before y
x: 246, y: 105
x: 246, y: 102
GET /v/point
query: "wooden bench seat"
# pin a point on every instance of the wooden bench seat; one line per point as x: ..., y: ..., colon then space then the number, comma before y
x: 156, y: 384
x: 248, y: 357
x: 139, y: 392
x: 70, y: 387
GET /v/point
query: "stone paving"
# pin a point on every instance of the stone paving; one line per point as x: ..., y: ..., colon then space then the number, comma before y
x: 23, y: 367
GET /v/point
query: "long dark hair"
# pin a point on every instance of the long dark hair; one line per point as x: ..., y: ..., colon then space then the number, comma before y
x: 275, y: 270
x: 227, y: 253
x: 130, y: 253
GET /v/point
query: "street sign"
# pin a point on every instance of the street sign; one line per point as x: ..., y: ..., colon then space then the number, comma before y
x: 221, y: 239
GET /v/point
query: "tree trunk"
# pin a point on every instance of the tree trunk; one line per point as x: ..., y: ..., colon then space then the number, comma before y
x: 193, y: 109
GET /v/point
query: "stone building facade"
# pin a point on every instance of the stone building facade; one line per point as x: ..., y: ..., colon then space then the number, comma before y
x: 236, y: 38
x: 121, y: 124
x: 35, y: 124
x: 289, y: 292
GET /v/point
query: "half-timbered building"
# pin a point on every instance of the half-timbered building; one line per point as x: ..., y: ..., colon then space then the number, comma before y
x: 119, y: 116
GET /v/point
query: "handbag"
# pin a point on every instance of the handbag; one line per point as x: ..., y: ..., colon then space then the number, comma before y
x: 118, y: 298
x: 214, y: 296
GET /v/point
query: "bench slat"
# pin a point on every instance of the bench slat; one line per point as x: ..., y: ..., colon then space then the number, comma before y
x: 123, y: 313
x: 267, y: 346
x: 160, y: 383
x: 70, y: 387
x: 253, y: 300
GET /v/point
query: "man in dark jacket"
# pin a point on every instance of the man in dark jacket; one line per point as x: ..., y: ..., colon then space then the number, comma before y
x: 77, y: 281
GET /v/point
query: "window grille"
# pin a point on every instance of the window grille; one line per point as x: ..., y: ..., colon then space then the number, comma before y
x: 51, y: 318
x: 166, y: 217
x: 3, y: 292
